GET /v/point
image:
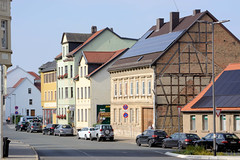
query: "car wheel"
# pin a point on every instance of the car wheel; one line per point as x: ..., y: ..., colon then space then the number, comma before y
x: 43, y: 133
x: 150, y: 143
x: 163, y: 145
x: 31, y: 131
x: 111, y: 139
x: 98, y: 138
x: 138, y: 142
x: 91, y: 138
x: 55, y: 134
x: 180, y: 145
x: 85, y: 137
x: 49, y: 133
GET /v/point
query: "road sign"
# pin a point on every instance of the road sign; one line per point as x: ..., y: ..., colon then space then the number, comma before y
x: 16, y: 107
x: 125, y: 115
x: 125, y: 107
x: 218, y: 112
x: 16, y: 112
x: 179, y: 109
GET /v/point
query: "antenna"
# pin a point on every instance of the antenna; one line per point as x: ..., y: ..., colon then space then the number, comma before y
x: 176, y: 5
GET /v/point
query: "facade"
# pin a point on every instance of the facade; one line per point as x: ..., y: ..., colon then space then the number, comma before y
x: 178, y: 54
x: 198, y: 113
x: 49, y: 92
x: 23, y: 90
x: 68, y: 62
x: 92, y: 88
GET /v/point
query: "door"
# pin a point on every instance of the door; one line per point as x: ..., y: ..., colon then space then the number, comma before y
x: 147, y: 118
x: 32, y: 112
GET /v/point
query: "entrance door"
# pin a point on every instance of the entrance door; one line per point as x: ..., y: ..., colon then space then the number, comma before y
x: 147, y: 119
x: 32, y: 112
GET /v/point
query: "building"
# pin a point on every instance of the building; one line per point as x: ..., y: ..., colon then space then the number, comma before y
x: 166, y: 68
x: 92, y: 87
x: 23, y: 90
x: 198, y: 113
x: 68, y: 62
x: 49, y: 92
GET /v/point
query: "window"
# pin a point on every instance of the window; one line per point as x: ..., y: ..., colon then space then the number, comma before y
x: 205, y: 122
x: 88, y: 92
x: 51, y: 95
x: 223, y: 122
x: 86, y: 115
x: 78, y: 114
x: 126, y: 89
x: 4, y: 33
x: 120, y: 115
x: 59, y: 94
x: 67, y: 50
x: 115, y: 90
x: 149, y: 87
x: 193, y: 123
x: 45, y: 96
x: 66, y: 92
x: 62, y: 93
x: 61, y: 70
x: 77, y: 93
x: 85, y: 92
x: 81, y: 115
x: 30, y: 101
x: 237, y: 122
x: 131, y: 88
x: 66, y: 69
x: 137, y: 88
x: 27, y: 112
x: 48, y: 95
x: 71, y: 92
x: 71, y: 71
x: 137, y: 117
x: 29, y: 90
x: 114, y: 115
x: 63, y: 51
x: 85, y: 71
x: 81, y: 92
x: 81, y: 72
x: 143, y: 88
x: 120, y: 89
x: 131, y: 115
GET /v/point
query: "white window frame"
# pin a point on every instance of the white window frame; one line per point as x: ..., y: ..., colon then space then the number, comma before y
x: 120, y: 89
x: 143, y: 88
x: 131, y: 88
x: 137, y: 88
x: 126, y: 88
x: 149, y: 87
x: 193, y: 122
x: 115, y: 90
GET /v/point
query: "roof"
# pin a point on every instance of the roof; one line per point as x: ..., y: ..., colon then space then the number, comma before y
x: 97, y: 57
x: 108, y: 58
x: 76, y: 37
x: 227, y: 92
x: 58, y: 56
x: 37, y: 77
x: 18, y: 82
x: 157, y: 42
x: 49, y: 66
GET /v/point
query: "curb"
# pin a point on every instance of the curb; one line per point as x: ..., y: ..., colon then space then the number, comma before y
x: 201, y: 156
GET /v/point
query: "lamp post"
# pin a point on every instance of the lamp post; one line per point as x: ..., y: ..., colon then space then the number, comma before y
x: 15, y: 117
x: 213, y: 81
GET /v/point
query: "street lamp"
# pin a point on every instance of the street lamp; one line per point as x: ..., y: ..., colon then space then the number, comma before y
x: 213, y: 81
x: 15, y: 118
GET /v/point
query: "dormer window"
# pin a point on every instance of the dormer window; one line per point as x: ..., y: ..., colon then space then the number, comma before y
x: 63, y: 51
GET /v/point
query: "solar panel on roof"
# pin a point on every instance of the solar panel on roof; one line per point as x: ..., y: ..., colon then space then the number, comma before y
x: 150, y: 45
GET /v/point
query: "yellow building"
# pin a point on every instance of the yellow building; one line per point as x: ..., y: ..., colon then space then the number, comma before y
x: 48, y: 92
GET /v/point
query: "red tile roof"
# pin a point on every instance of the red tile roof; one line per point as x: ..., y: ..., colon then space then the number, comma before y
x: 19, y: 82
x: 107, y: 58
x: 188, y: 107
x: 98, y: 57
x: 58, y: 56
x: 86, y: 42
x: 37, y: 77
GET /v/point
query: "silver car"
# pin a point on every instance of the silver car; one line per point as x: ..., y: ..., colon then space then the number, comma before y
x: 63, y: 129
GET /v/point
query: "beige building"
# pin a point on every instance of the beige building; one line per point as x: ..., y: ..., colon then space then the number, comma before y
x: 198, y: 113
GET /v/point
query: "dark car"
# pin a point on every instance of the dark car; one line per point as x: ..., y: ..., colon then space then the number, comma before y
x: 34, y: 127
x: 151, y: 137
x: 224, y: 142
x: 49, y: 129
x: 22, y: 126
x: 181, y: 141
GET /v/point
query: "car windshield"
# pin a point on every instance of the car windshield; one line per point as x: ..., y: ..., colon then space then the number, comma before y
x: 66, y: 126
x: 91, y: 129
x: 106, y: 127
x: 231, y: 136
x: 160, y: 133
x: 192, y: 136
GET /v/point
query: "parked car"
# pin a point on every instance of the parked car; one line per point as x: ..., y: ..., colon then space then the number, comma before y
x: 183, y: 141
x: 151, y: 137
x: 85, y: 132
x: 103, y: 132
x: 49, y: 129
x: 224, y: 142
x: 63, y: 129
x: 34, y: 127
x: 22, y: 126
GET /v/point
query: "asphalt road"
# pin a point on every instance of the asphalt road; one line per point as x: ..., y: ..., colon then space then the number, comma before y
x: 71, y: 148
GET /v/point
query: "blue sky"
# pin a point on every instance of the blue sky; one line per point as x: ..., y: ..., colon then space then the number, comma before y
x: 37, y: 25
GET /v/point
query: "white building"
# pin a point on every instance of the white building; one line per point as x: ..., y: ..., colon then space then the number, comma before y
x: 23, y: 91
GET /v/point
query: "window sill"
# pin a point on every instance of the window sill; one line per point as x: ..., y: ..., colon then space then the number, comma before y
x: 205, y: 131
x: 193, y: 131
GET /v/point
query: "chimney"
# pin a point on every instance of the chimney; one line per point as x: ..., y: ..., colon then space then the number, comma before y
x: 196, y: 11
x: 94, y: 29
x: 174, y: 20
x: 159, y: 24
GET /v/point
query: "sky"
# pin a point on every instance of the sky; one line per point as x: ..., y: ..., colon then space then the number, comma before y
x: 38, y: 25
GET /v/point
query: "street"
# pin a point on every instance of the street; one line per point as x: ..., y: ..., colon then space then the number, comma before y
x: 51, y: 147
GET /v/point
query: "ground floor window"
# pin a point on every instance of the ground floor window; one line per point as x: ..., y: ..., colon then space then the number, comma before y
x: 205, y: 122
x: 193, y: 122
x: 223, y: 122
x: 27, y: 112
x: 237, y: 122
x: 48, y: 116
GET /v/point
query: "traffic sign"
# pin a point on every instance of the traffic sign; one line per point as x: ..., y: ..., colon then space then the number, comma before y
x: 16, y: 112
x: 218, y: 112
x: 125, y: 115
x: 125, y: 107
x: 16, y: 107
x: 179, y: 109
